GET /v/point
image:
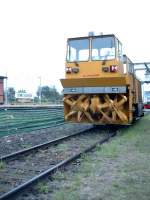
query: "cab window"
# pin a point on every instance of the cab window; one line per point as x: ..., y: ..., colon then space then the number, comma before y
x: 103, y: 48
x: 128, y: 65
x: 119, y: 51
x: 78, y: 50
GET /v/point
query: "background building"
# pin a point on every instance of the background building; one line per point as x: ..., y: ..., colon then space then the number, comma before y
x: 2, y: 89
x: 23, y: 97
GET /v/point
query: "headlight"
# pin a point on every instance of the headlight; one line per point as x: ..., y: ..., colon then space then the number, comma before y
x: 68, y: 70
x: 75, y: 69
x: 113, y: 68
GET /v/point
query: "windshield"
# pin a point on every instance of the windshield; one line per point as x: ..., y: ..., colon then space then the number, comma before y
x: 78, y: 50
x: 103, y: 48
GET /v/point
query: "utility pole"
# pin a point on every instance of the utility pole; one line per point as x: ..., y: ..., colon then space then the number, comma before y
x: 40, y: 89
x: 6, y: 94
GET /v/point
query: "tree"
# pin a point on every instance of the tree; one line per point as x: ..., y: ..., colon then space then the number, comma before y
x: 11, y: 94
x: 48, y: 93
x: 54, y: 94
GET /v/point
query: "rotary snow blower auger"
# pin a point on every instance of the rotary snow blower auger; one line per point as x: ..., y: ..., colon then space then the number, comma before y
x: 95, y: 108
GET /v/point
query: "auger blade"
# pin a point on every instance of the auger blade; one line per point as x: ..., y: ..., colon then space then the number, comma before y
x: 105, y: 117
x: 85, y: 104
x: 114, y: 116
x: 122, y: 101
x: 70, y: 114
x: 79, y: 116
x: 87, y: 114
x: 77, y: 103
x: 120, y: 114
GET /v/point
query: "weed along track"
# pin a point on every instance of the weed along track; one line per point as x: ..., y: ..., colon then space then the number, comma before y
x: 19, y: 172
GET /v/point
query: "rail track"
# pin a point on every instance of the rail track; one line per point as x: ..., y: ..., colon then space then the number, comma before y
x: 27, y: 167
x: 40, y: 146
x: 26, y: 119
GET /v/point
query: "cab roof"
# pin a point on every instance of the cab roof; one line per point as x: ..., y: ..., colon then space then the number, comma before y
x: 3, y: 77
x: 93, y: 36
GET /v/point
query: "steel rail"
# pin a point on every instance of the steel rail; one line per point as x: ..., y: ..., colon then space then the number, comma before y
x: 27, y: 123
x: 33, y: 128
x: 52, y: 170
x: 3, y: 107
x: 48, y: 116
x: 43, y: 145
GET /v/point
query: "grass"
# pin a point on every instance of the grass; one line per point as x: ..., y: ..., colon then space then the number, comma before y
x: 2, y: 165
x: 118, y: 170
x: 66, y: 195
x: 108, y: 151
x: 59, y: 175
x: 42, y: 187
x: 62, y: 147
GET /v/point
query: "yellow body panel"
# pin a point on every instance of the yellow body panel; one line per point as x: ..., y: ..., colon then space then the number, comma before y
x: 95, y: 82
x: 93, y: 69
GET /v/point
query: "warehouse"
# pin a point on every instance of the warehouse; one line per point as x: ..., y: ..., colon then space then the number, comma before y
x: 2, y: 89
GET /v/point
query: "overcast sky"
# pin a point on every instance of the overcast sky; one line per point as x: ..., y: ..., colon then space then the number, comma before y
x: 33, y: 34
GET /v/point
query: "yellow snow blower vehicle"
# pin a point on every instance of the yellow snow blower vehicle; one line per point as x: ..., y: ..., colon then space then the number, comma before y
x: 100, y: 86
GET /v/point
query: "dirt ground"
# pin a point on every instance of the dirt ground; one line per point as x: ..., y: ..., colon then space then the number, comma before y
x: 119, y: 170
